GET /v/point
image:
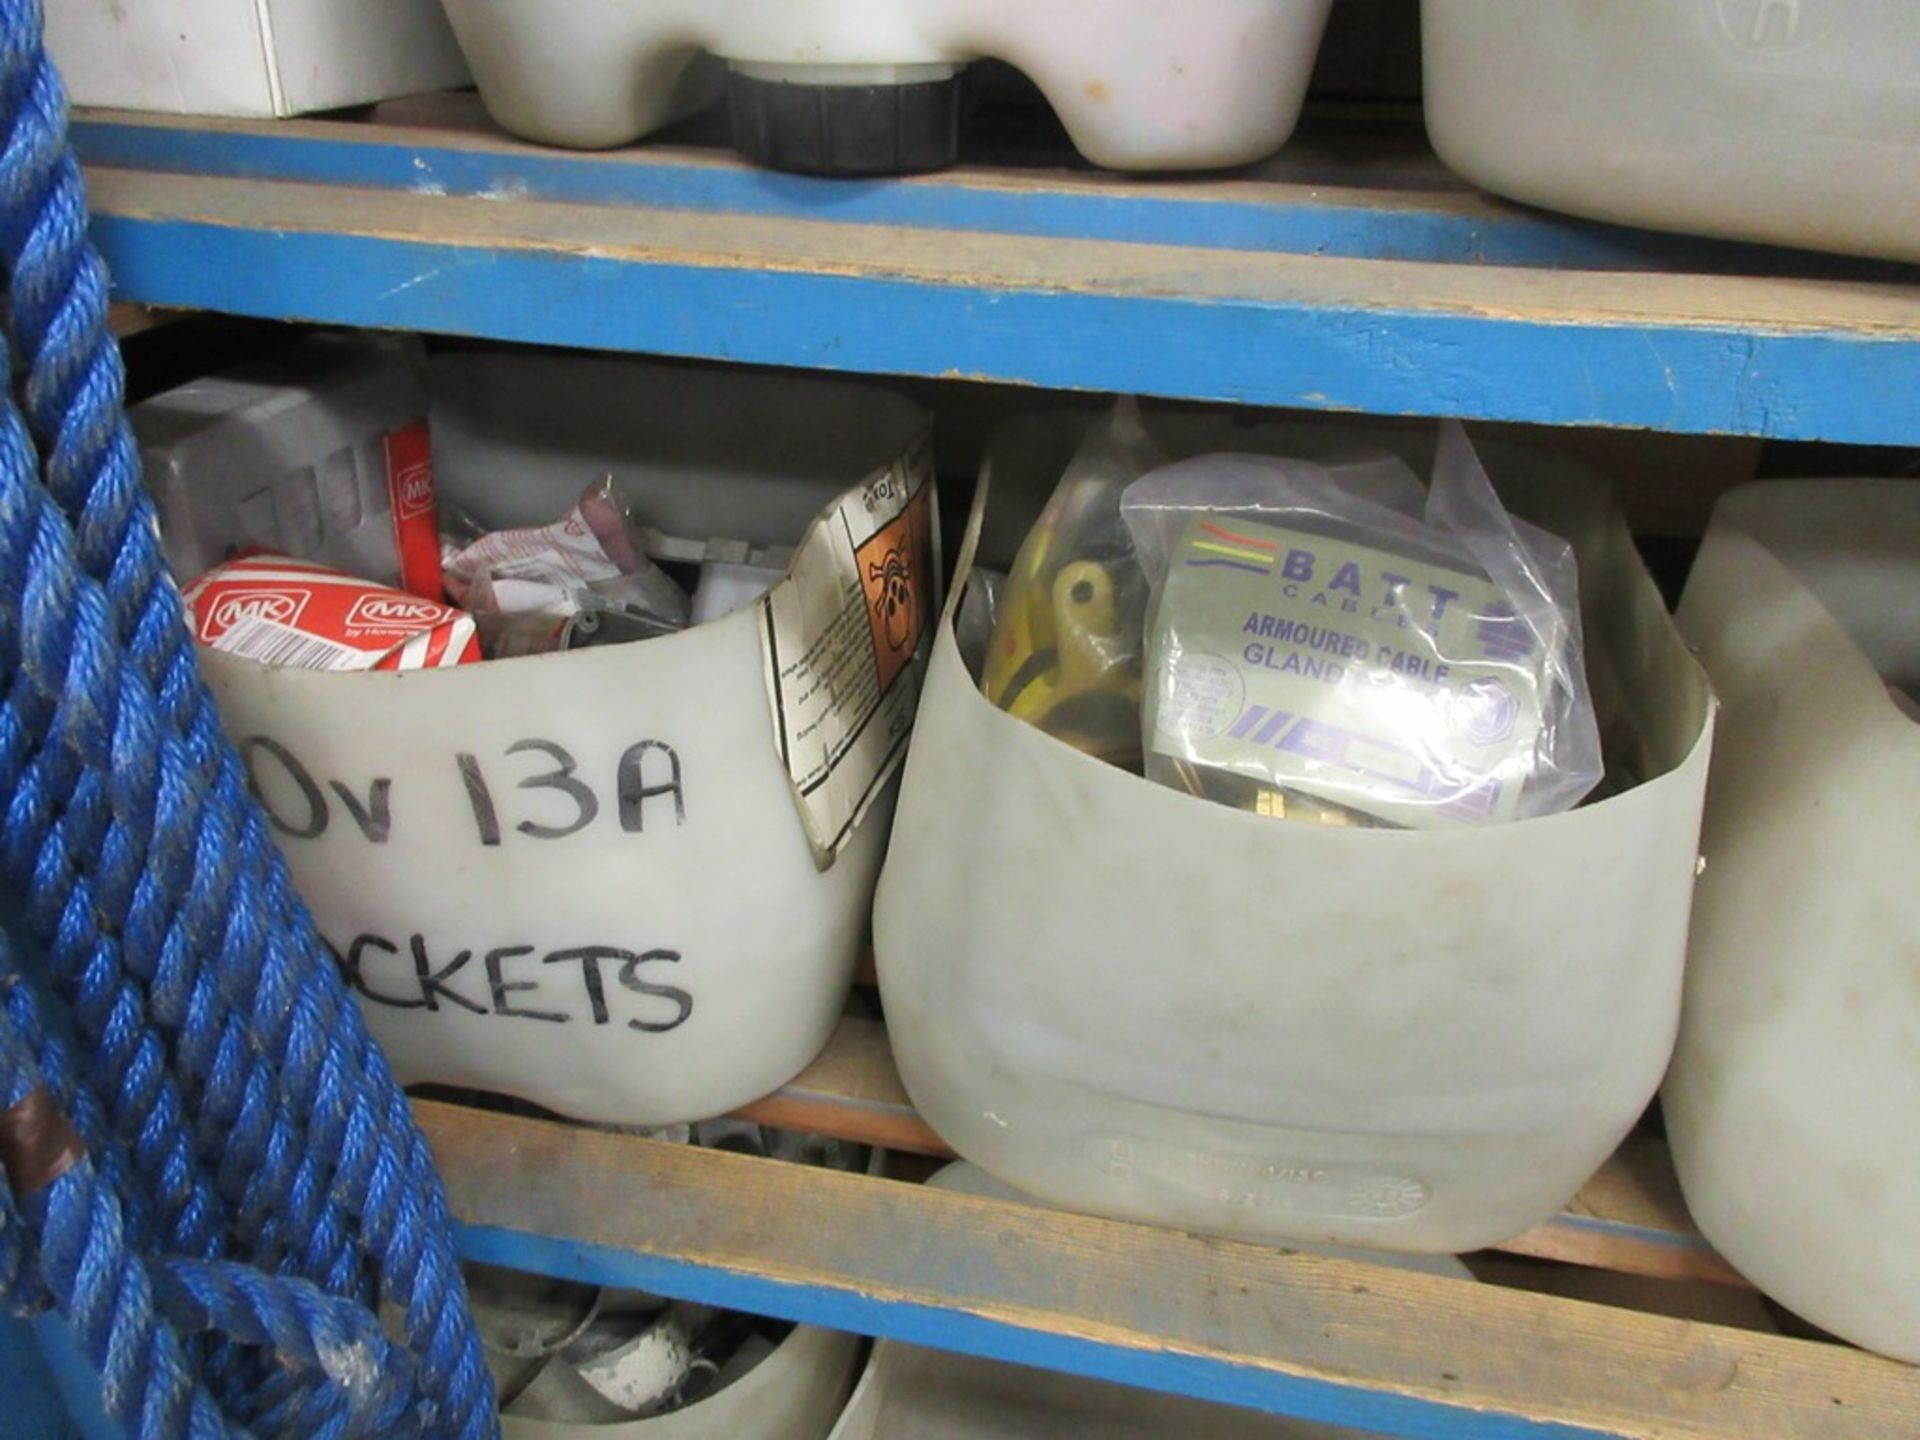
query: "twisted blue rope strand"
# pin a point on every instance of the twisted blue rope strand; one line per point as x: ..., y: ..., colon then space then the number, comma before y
x: 124, y: 546
x: 144, y: 1106
x: 29, y: 808
x: 74, y: 391
x: 21, y: 1291
x: 397, y: 1209
x: 108, y: 1010
x: 354, y: 1120
x: 82, y: 1255
x: 147, y: 1107
x: 39, y: 843
x: 82, y: 1264
x: 236, y: 1116
x: 146, y: 1380
x: 306, y: 1327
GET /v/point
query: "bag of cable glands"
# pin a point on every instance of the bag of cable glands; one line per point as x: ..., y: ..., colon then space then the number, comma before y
x: 1065, y: 652
x: 1329, y: 643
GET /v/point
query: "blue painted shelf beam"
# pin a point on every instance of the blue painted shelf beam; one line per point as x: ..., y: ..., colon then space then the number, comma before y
x: 1381, y: 208
x: 1341, y: 1341
x: 1251, y: 291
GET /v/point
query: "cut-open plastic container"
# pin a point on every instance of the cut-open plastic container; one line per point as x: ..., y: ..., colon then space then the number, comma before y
x: 852, y: 86
x: 582, y: 878
x: 1126, y: 1000
x: 1795, y: 1092
x: 1790, y: 121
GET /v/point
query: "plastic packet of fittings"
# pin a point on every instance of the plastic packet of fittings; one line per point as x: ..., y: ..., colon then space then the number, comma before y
x: 1332, y: 643
x: 1065, y: 653
x: 551, y: 587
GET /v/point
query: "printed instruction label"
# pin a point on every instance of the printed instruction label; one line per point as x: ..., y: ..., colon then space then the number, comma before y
x: 1404, y: 689
x: 845, y: 639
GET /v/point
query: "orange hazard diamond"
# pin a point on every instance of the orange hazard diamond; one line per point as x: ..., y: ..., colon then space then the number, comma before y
x: 893, y: 575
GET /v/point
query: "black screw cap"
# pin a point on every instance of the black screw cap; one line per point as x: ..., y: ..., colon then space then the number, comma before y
x: 846, y: 130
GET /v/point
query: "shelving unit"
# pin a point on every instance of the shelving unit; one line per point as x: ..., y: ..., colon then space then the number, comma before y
x: 1349, y: 274
x: 1391, y: 292
x: 1335, y: 1340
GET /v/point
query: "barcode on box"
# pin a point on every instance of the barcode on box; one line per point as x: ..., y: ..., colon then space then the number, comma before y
x: 254, y: 637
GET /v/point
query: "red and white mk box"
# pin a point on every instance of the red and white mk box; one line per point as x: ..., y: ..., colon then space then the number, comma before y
x: 281, y: 611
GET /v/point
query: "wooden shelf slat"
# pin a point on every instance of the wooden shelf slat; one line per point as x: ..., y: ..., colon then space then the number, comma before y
x: 852, y: 1092
x: 1363, y: 300
x: 1312, y: 198
x: 1359, y: 182
x: 1629, y: 1217
x: 1334, y: 1340
x: 126, y: 321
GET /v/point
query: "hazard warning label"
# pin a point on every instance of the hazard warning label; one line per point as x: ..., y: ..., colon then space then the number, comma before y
x: 845, y: 638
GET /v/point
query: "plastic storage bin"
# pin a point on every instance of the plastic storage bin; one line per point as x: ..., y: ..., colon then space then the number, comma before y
x: 582, y: 878
x: 1795, y: 1096
x: 1791, y: 121
x: 846, y: 86
x: 1124, y: 1000
x: 250, y: 57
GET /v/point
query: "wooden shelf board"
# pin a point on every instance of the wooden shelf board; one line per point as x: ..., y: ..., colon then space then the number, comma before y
x: 1357, y: 182
x: 1247, y: 290
x: 1335, y: 1340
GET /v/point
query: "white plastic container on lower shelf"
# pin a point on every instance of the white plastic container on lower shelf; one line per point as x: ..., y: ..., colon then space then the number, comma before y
x: 1139, y: 84
x: 582, y: 878
x: 909, y: 1393
x: 1125, y: 1000
x: 1790, y: 121
x: 1795, y: 1093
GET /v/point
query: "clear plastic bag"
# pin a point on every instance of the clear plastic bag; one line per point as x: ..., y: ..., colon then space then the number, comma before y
x: 978, y: 615
x: 1326, y: 643
x: 1065, y: 653
x: 547, y: 587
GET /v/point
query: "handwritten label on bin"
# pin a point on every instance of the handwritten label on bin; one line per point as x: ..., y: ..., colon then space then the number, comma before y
x: 531, y: 792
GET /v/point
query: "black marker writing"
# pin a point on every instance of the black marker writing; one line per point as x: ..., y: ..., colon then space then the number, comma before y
x: 411, y: 978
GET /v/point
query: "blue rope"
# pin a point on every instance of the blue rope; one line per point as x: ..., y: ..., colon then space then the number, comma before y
x: 253, y: 1182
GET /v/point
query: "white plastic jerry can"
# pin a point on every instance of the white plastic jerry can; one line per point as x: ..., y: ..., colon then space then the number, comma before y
x: 1129, y: 1001
x: 1795, y: 1090
x: 873, y: 86
x: 1790, y: 121
x: 583, y: 878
